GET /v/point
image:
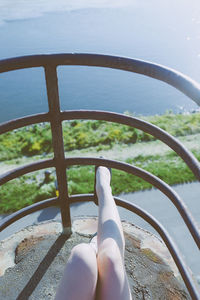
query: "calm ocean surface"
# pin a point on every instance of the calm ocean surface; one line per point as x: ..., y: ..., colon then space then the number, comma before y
x: 165, y: 32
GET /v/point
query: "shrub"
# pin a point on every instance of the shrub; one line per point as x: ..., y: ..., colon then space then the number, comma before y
x: 77, y: 134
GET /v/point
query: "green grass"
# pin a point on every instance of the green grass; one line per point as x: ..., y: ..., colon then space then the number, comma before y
x: 36, y: 140
x: 25, y: 191
x: 170, y: 168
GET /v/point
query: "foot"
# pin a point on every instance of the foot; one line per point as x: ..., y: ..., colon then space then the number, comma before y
x: 103, y: 177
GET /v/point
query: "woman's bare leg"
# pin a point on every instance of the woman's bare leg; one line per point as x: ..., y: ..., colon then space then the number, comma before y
x: 112, y: 280
x: 80, y: 276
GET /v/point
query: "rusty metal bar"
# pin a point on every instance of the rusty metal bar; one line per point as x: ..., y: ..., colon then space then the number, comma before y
x: 172, y: 77
x: 154, y: 180
x: 26, y: 211
x: 58, y: 147
x: 25, y: 121
x: 157, y: 132
x: 12, y: 174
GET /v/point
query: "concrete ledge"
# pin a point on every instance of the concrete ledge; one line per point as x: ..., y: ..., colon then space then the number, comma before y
x: 32, y: 261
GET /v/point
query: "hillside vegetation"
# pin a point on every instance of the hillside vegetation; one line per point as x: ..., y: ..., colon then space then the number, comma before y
x: 36, y: 139
x: 95, y: 137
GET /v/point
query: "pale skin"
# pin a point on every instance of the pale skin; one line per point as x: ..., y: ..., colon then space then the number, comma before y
x: 103, y: 263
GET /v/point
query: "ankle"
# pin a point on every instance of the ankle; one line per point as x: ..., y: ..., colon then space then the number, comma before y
x: 103, y: 176
x: 103, y: 189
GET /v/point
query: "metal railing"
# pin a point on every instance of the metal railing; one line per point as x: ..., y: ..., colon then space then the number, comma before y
x: 55, y: 117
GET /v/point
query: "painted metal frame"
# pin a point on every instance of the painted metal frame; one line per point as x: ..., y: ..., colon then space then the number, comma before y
x: 55, y: 117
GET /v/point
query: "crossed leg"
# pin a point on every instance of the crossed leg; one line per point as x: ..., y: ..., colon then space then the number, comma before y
x: 85, y: 266
x: 112, y: 278
x: 80, y: 275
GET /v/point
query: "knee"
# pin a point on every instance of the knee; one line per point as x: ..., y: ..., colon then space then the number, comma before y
x: 109, y: 257
x: 82, y: 251
x: 84, y: 256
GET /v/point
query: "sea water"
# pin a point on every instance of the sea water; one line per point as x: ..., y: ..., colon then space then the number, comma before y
x: 165, y: 32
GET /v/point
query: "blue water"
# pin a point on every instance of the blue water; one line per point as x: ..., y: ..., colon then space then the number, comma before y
x: 165, y: 32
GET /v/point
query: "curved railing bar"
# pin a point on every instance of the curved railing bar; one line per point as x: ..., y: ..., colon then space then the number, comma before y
x: 127, y: 205
x: 174, y: 78
x: 183, y: 269
x: 24, y: 121
x: 174, y: 251
x: 26, y: 211
x: 157, y: 132
x: 170, y: 76
x: 12, y: 174
x: 155, y: 181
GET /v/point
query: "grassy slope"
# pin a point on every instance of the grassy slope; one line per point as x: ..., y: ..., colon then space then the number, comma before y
x: 36, y: 139
x: 112, y: 142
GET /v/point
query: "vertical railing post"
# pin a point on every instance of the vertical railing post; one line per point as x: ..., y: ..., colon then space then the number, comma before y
x: 58, y: 145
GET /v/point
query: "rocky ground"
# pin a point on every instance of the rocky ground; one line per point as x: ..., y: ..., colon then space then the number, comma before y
x: 40, y: 254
